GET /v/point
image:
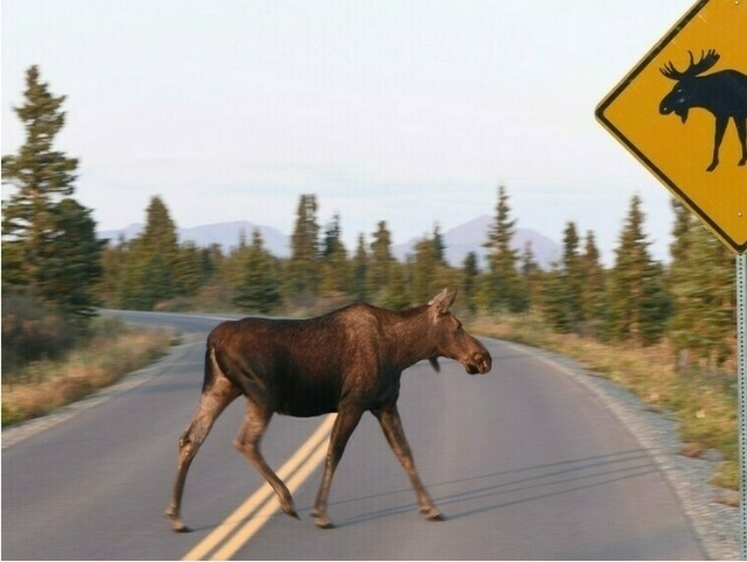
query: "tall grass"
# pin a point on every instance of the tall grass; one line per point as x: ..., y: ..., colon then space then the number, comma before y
x: 112, y: 350
x: 703, y: 400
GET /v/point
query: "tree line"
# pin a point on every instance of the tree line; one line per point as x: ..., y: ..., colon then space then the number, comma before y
x: 51, y: 258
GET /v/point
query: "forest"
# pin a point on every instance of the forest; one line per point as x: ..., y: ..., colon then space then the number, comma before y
x: 56, y: 272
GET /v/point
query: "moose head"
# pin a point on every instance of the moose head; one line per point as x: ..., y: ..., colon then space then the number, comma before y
x: 686, y: 93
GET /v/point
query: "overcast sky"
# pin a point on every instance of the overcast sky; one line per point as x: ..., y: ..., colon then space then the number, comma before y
x: 409, y: 112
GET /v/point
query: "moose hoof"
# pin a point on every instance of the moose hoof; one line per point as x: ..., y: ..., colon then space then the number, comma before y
x: 433, y: 514
x: 177, y: 525
x: 321, y: 520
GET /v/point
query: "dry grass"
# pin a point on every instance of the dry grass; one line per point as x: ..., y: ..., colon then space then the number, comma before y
x: 702, y: 401
x: 44, y: 386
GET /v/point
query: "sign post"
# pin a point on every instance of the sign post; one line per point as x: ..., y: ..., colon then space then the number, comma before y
x: 682, y: 111
x: 742, y: 393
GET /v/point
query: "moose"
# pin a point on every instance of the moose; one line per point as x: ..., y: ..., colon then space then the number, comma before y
x: 349, y: 361
x: 723, y: 93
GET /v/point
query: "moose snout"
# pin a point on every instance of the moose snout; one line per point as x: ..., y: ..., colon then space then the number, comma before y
x: 480, y: 362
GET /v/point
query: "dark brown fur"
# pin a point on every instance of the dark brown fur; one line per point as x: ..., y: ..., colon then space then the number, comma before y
x: 349, y: 361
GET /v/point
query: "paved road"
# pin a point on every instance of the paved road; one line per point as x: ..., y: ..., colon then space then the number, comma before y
x: 524, y: 463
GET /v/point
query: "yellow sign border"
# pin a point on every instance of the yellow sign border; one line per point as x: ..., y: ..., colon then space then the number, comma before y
x: 627, y: 143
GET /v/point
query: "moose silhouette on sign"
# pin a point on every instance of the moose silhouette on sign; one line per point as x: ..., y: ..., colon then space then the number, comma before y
x: 723, y: 93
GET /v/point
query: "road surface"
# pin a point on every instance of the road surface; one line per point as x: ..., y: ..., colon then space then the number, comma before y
x: 523, y: 462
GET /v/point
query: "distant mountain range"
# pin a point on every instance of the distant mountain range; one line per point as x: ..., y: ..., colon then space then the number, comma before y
x: 459, y: 241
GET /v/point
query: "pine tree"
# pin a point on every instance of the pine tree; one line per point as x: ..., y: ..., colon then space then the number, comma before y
x: 470, y: 281
x: 41, y: 221
x: 573, y: 276
x: 503, y: 289
x: 426, y: 267
x: 531, y: 274
x: 335, y: 270
x: 259, y: 290
x: 360, y: 270
x: 702, y: 283
x: 150, y: 272
x: 638, y: 303
x: 380, y: 261
x: 592, y: 296
x: 302, y: 271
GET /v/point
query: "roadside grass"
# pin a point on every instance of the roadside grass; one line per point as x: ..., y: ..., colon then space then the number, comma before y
x: 113, y: 350
x: 702, y: 401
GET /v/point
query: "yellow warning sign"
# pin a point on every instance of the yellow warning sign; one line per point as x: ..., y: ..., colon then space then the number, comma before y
x: 682, y: 111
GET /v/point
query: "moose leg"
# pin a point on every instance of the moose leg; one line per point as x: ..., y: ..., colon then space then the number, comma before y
x: 212, y: 403
x: 721, y: 123
x: 346, y: 422
x: 742, y: 132
x: 391, y: 424
x: 247, y: 443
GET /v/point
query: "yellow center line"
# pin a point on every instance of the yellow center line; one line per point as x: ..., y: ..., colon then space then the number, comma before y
x: 310, y: 454
x: 264, y: 513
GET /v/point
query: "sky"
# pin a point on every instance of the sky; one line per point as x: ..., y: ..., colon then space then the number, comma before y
x: 412, y: 112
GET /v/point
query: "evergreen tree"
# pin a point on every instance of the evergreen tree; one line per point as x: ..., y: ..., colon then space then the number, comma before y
x: 150, y: 272
x: 592, y: 295
x: 503, y: 289
x: 573, y: 276
x: 188, y: 269
x: 259, y: 290
x: 470, y: 281
x: 638, y: 303
x: 380, y: 261
x: 531, y: 274
x: 426, y: 275
x: 41, y: 222
x: 302, y: 276
x: 702, y: 283
x: 555, y: 300
x: 360, y: 270
x: 335, y: 277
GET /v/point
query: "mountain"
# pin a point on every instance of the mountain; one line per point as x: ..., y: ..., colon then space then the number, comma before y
x: 225, y: 233
x: 459, y: 241
x: 470, y: 236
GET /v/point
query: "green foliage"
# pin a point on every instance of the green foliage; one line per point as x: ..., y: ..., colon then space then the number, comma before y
x: 503, y: 287
x: 32, y: 330
x: 302, y: 270
x: 259, y: 290
x: 336, y: 277
x: 380, y: 262
x: 702, y: 283
x: 638, y: 305
x: 49, y: 244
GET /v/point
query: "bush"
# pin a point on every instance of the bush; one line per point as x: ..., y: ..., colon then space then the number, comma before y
x: 32, y: 331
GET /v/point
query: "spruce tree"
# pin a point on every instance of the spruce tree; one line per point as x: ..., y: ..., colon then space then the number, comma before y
x: 49, y: 245
x: 470, y: 281
x: 702, y: 284
x: 335, y: 274
x: 503, y: 289
x: 360, y: 270
x: 150, y: 273
x: 638, y: 303
x: 302, y: 272
x: 259, y: 290
x: 592, y: 296
x: 380, y: 261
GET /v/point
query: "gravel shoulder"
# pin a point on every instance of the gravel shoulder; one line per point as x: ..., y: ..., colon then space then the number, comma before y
x: 716, y: 524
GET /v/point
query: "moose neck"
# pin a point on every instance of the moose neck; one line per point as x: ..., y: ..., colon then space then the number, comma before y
x: 410, y: 338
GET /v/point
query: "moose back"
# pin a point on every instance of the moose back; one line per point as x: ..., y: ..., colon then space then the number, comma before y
x: 349, y: 361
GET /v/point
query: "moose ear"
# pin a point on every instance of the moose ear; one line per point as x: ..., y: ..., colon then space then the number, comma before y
x: 443, y: 300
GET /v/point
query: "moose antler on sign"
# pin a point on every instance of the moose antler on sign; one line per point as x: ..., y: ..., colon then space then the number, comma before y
x: 707, y: 61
